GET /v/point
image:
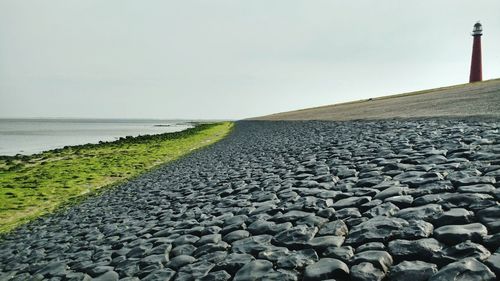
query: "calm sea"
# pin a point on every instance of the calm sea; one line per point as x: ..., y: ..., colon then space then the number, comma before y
x: 29, y: 136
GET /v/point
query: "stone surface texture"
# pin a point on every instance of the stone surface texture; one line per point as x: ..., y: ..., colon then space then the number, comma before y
x: 309, y: 200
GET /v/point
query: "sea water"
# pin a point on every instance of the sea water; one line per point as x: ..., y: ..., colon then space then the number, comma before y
x: 30, y: 136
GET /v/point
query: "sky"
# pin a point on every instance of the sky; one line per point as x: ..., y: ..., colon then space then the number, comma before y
x: 230, y: 59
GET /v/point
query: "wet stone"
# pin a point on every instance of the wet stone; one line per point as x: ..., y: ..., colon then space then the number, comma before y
x: 207, y: 239
x: 326, y: 268
x: 412, y: 270
x: 454, y: 234
x: 292, y: 216
x: 195, y: 270
x: 401, y: 201
x: 468, y: 269
x: 347, y: 213
x: 365, y: 271
x: 392, y: 191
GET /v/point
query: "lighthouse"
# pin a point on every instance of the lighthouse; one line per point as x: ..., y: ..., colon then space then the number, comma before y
x: 476, y: 69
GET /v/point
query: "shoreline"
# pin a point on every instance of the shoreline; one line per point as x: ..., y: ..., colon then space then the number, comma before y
x: 38, y: 184
x: 34, y: 136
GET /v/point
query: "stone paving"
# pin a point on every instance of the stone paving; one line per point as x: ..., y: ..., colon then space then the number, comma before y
x: 385, y: 200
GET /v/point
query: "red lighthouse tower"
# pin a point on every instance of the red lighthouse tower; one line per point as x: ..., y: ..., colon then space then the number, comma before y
x: 476, y: 68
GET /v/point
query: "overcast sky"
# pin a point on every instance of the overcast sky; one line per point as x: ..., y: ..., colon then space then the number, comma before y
x: 230, y: 59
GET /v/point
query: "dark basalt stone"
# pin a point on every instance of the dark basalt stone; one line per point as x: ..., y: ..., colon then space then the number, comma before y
x: 298, y: 259
x: 259, y: 227
x: 377, y: 229
x: 415, y: 230
x: 161, y: 274
x: 296, y: 237
x: 365, y: 271
x: 326, y: 268
x: 344, y: 253
x: 467, y: 269
x: 351, y: 202
x: 53, y: 269
x: 425, y: 212
x: 493, y: 262
x: 392, y: 191
x: 273, y: 254
x: 371, y: 246
x: 180, y: 261
x: 233, y: 262
x: 463, y: 250
x: 322, y: 242
x: 292, y: 216
x: 380, y: 259
x: 235, y: 235
x: 216, y: 276
x: 252, y: 245
x: 491, y: 218
x: 422, y: 249
x: 109, y: 276
x: 454, y: 216
x: 412, y: 270
x: 472, y: 180
x: 385, y: 209
x: 208, y: 239
x: 254, y: 270
x: 453, y: 234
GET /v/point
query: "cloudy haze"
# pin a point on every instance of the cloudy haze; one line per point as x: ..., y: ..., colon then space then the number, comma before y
x: 232, y: 59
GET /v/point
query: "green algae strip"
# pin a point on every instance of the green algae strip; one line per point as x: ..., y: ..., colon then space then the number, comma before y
x: 31, y: 186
